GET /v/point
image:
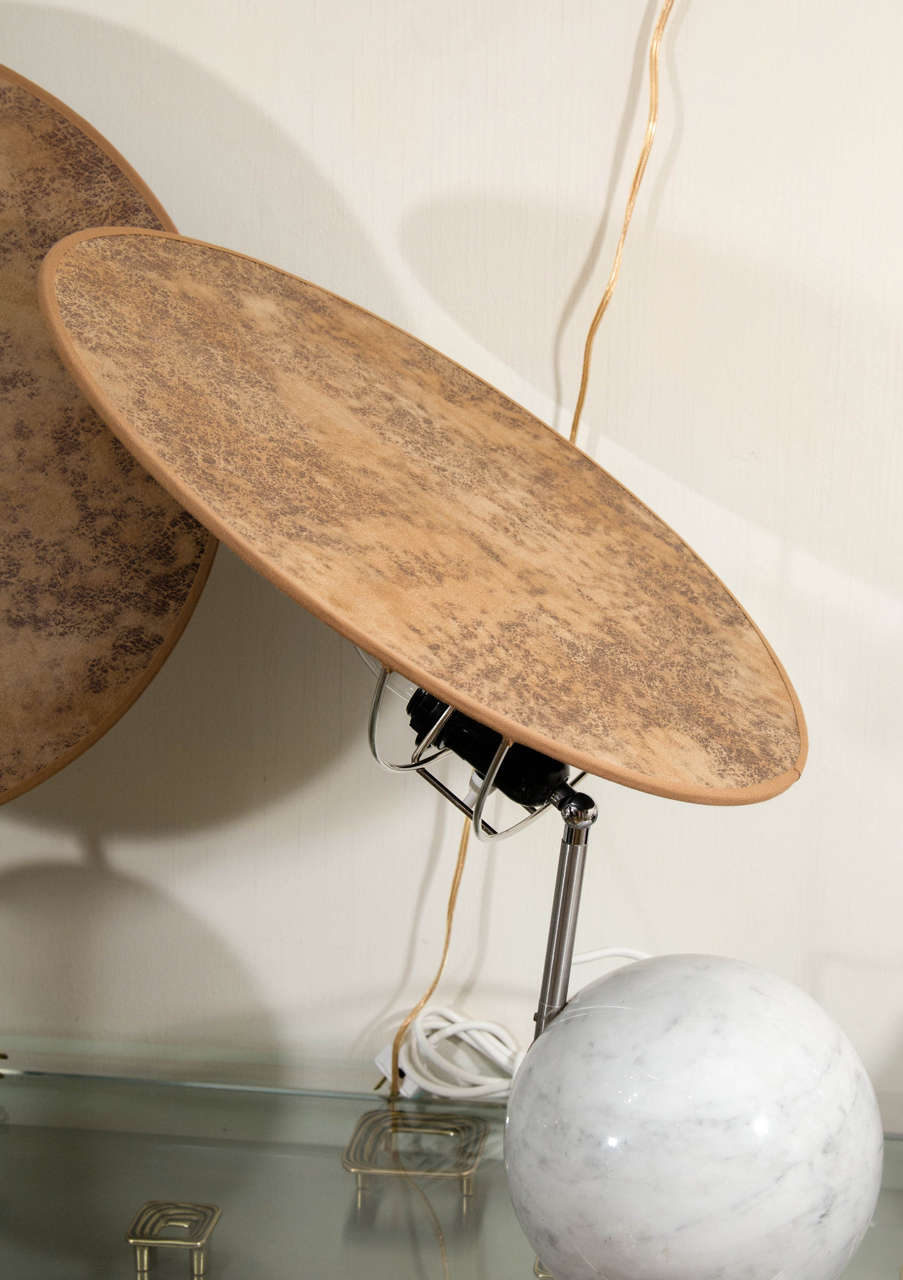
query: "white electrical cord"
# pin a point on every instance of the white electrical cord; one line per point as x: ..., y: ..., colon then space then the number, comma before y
x: 434, y: 1072
x: 609, y: 953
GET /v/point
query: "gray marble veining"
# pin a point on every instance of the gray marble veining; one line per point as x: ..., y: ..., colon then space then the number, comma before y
x: 693, y: 1118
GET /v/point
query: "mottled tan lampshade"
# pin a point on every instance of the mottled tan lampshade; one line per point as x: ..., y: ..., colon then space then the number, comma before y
x: 99, y: 567
x: 425, y: 516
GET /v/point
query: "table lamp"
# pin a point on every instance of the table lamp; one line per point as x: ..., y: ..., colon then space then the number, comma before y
x: 687, y: 1116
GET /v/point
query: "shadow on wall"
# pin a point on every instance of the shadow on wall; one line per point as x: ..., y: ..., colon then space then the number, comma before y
x: 464, y: 249
x: 102, y: 925
x: 256, y: 700
x: 252, y: 703
x: 223, y: 169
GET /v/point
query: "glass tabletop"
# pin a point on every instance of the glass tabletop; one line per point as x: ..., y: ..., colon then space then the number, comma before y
x: 80, y: 1156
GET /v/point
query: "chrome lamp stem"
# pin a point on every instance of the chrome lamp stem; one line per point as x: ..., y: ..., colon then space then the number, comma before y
x: 579, y: 813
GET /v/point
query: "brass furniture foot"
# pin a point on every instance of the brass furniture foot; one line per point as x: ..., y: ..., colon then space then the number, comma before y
x: 154, y: 1223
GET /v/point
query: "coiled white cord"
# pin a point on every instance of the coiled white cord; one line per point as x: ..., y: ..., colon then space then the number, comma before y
x: 434, y: 1072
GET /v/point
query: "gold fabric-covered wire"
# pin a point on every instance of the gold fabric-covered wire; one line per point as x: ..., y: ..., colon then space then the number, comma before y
x: 652, y: 119
x: 449, y: 920
x: 628, y: 212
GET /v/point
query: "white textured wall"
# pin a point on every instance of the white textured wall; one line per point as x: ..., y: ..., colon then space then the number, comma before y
x: 226, y: 885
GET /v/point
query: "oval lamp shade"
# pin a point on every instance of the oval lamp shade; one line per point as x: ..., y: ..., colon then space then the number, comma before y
x: 99, y: 567
x: 426, y: 517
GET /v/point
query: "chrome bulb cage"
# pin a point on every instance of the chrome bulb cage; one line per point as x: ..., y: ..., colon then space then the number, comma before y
x: 423, y: 755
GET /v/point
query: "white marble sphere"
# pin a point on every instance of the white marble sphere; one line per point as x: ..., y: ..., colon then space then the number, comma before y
x: 693, y: 1118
